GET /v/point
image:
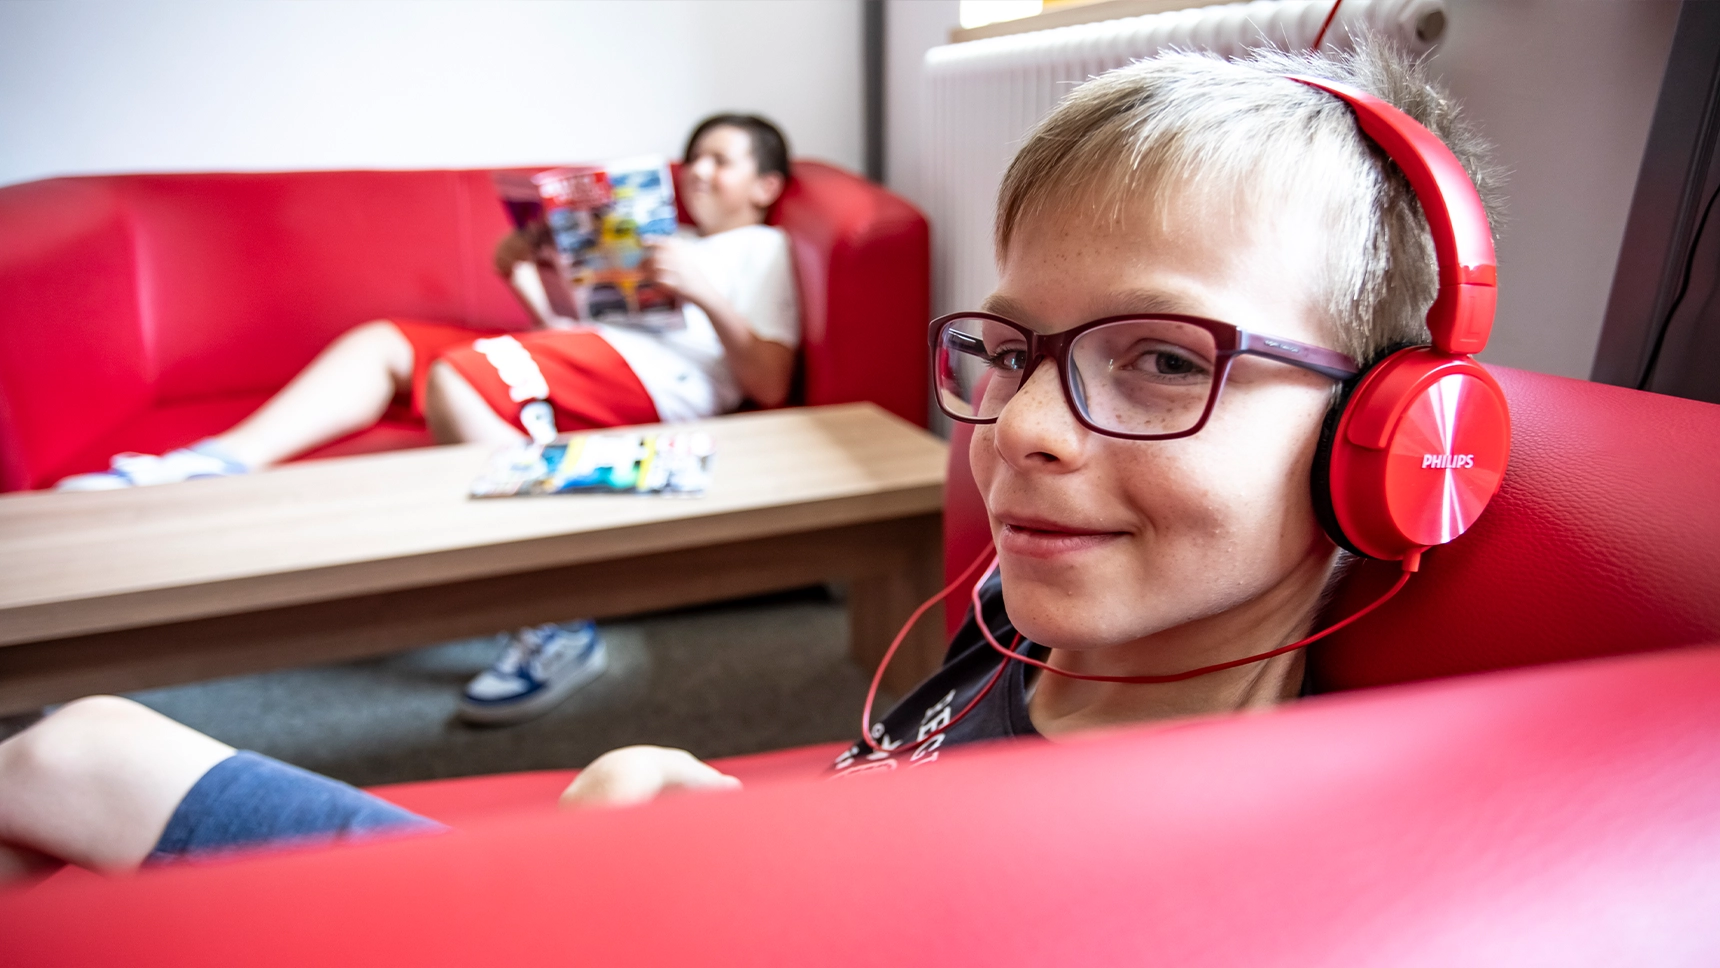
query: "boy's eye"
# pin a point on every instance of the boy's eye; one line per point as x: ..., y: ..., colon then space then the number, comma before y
x: 1007, y: 356
x: 1171, y: 364
x: 1163, y: 361
x: 1013, y: 358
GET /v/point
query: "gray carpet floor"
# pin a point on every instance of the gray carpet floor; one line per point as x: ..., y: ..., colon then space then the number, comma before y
x: 737, y: 678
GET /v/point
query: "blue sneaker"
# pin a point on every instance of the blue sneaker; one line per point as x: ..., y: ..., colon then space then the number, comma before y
x: 541, y: 666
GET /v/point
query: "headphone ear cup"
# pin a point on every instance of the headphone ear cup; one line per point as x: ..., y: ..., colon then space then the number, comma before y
x: 1415, y: 453
x: 1321, y: 473
x: 1325, y: 510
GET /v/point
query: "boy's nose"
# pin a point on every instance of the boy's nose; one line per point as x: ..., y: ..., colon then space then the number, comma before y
x: 1036, y: 427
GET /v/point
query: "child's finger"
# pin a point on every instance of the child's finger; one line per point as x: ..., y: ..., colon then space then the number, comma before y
x: 636, y: 774
x: 684, y: 771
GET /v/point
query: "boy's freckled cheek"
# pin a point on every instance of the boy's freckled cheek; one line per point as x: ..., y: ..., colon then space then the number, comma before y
x: 1176, y: 483
x: 983, y: 458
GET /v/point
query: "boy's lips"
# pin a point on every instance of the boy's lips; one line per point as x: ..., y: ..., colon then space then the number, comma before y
x: 1042, y: 538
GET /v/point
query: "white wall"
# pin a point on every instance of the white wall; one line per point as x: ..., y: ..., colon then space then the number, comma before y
x: 1566, y: 91
x: 99, y: 86
x: 912, y: 27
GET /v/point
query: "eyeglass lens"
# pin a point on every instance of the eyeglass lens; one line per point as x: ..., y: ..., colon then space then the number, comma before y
x: 1144, y: 376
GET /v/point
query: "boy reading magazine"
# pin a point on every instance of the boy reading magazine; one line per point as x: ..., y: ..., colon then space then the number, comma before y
x: 731, y: 337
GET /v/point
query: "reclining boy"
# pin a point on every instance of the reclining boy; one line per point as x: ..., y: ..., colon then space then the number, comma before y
x: 736, y: 282
x: 1158, y: 522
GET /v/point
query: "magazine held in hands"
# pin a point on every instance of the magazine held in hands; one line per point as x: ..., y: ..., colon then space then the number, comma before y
x: 591, y: 224
x: 655, y: 462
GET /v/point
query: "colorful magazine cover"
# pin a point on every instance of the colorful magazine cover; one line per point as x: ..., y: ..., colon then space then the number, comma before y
x: 593, y: 222
x: 602, y: 463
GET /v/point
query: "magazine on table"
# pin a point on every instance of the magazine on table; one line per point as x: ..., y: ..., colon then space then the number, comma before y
x: 592, y: 223
x: 606, y: 462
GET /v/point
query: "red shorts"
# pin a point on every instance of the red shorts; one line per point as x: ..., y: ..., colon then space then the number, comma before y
x: 590, y: 385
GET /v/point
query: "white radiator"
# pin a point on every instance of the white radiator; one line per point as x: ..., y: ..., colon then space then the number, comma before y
x: 983, y: 95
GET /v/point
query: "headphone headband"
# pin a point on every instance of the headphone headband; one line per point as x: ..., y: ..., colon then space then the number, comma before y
x: 1461, y: 317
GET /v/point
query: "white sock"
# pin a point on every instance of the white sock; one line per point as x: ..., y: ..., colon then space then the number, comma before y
x: 211, y: 447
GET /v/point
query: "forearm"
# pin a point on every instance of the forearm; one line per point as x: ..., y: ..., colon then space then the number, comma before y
x: 763, y: 368
x: 528, y: 288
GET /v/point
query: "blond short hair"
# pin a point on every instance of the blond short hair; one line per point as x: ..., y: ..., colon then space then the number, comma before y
x: 1193, y: 120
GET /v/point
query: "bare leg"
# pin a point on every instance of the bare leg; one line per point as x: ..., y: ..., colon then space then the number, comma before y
x: 95, y: 783
x: 345, y: 389
x: 457, y: 413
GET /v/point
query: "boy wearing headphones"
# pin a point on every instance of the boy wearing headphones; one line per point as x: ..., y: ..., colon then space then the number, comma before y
x: 1158, y: 545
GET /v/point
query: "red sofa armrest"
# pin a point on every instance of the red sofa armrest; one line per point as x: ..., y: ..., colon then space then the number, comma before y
x: 72, y: 357
x: 863, y: 260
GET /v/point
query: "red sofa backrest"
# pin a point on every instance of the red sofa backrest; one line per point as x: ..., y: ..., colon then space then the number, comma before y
x: 863, y: 261
x: 1604, y: 539
x: 127, y: 291
x: 122, y: 292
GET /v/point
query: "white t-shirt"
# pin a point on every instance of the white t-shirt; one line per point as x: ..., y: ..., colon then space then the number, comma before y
x: 683, y: 369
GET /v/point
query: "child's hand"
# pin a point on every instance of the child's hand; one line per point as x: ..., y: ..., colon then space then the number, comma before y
x: 635, y: 774
x: 520, y: 245
x: 670, y: 265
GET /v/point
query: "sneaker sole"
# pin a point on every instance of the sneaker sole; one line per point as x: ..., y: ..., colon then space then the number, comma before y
x: 535, y: 705
x: 74, y: 486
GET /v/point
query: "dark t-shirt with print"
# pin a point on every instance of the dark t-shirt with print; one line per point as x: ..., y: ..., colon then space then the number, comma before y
x: 968, y: 666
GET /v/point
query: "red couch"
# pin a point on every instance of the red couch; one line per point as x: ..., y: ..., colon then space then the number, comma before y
x: 141, y: 312
x: 1555, y: 813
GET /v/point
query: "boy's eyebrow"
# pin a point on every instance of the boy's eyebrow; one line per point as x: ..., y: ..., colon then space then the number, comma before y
x: 1118, y: 303
x: 1150, y: 301
x: 1003, y: 306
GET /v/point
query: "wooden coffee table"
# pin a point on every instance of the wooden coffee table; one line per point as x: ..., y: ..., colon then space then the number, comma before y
x: 337, y: 559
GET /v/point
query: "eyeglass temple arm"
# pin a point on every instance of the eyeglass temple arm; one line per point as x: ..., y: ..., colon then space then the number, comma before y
x: 964, y: 343
x: 1317, y: 358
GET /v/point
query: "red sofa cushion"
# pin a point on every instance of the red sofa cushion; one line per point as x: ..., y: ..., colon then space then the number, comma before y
x: 164, y: 427
x: 246, y: 277
x: 1562, y: 815
x: 140, y: 309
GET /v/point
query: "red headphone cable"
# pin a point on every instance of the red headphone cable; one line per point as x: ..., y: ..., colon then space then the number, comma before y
x: 1320, y: 37
x: 1410, y: 565
x: 896, y: 643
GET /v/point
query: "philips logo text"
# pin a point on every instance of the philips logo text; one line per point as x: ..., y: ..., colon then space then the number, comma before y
x: 1447, y: 461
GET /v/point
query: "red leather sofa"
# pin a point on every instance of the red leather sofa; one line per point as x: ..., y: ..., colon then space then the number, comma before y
x: 141, y: 312
x: 1543, y: 812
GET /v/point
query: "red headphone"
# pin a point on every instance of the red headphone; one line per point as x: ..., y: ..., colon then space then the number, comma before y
x: 1417, y: 445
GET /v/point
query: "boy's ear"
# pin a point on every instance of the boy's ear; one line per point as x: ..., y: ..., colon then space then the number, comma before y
x: 767, y: 189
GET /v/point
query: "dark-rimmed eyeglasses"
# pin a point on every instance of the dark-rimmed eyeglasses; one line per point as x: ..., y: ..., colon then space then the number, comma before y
x: 1145, y: 377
